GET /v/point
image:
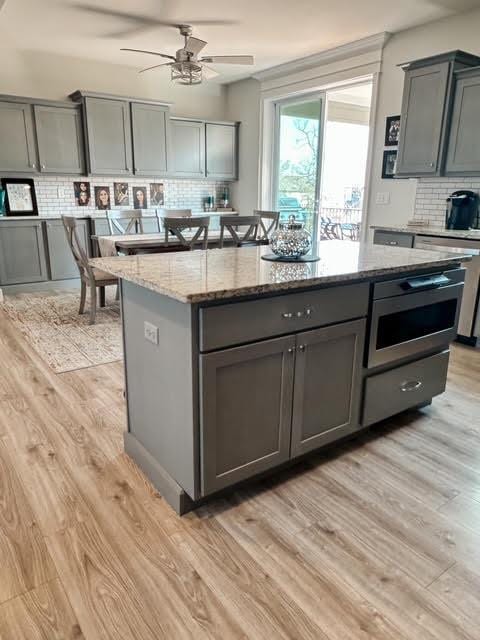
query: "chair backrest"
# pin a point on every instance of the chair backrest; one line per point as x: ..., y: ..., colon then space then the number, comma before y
x: 268, y: 221
x: 177, y: 227
x: 123, y: 222
x: 174, y: 213
x: 76, y: 247
x: 239, y: 236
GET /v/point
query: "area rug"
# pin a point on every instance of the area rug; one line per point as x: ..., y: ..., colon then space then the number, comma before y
x: 63, y: 338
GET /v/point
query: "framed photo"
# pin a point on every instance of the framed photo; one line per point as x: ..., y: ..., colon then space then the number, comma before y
x: 102, y: 198
x: 82, y: 193
x: 389, y: 163
x: 139, y: 197
x: 120, y: 194
x: 392, y: 131
x: 156, y: 194
x: 20, y: 197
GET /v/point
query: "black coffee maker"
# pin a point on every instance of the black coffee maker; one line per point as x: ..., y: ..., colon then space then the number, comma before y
x: 462, y: 211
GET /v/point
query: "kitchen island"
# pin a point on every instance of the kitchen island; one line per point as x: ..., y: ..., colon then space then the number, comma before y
x: 236, y: 366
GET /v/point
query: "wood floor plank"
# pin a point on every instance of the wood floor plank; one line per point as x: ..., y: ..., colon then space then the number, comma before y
x: 459, y: 589
x: 465, y: 511
x: 44, y: 613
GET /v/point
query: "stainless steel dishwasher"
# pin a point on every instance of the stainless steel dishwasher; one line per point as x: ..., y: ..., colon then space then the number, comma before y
x: 469, y: 321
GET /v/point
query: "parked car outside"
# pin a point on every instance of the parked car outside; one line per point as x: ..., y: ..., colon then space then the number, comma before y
x: 290, y: 206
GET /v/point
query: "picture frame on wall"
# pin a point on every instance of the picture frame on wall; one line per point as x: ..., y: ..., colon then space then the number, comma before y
x: 389, y: 165
x: 392, y: 131
x: 20, y: 199
x: 82, y: 194
x: 140, y: 198
x: 120, y: 194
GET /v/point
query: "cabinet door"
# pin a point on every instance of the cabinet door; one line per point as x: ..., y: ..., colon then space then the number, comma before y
x: 188, y: 149
x: 246, y: 402
x: 464, y: 144
x: 60, y: 141
x: 62, y: 264
x: 17, y: 141
x: 421, y: 129
x: 109, y: 144
x: 327, y: 394
x: 221, y: 151
x: 22, y: 252
x: 150, y: 139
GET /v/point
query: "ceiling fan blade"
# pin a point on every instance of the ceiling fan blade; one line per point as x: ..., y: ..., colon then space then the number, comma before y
x: 229, y: 59
x: 156, y: 66
x: 152, y: 53
x: 209, y: 73
x: 194, y: 45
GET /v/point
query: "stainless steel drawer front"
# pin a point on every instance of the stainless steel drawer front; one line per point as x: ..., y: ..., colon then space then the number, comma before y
x: 241, y: 322
x: 393, y: 239
x: 404, y: 387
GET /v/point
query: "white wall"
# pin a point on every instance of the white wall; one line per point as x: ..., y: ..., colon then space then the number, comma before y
x: 243, y: 104
x: 459, y: 32
x: 44, y: 75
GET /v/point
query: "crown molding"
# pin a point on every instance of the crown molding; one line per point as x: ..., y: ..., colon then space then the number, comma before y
x: 356, y: 48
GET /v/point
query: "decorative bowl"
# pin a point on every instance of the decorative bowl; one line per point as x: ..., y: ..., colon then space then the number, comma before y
x: 291, y: 239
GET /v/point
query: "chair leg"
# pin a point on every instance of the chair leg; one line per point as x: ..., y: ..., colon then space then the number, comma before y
x: 83, y: 293
x: 93, y: 304
x: 102, y: 296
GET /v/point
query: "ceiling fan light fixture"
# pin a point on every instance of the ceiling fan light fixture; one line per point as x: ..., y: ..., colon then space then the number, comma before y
x: 186, y: 72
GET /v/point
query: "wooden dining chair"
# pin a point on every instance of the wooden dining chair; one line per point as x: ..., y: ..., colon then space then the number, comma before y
x: 176, y: 227
x: 268, y: 222
x: 89, y: 276
x: 240, y: 236
x: 123, y: 222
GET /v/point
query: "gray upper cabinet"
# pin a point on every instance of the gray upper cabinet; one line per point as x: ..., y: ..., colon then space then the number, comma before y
x: 60, y: 139
x: 221, y: 151
x: 426, y: 113
x: 17, y: 138
x: 242, y: 388
x: 62, y: 264
x: 151, y: 139
x: 188, y: 148
x: 22, y: 252
x: 109, y: 139
x: 326, y: 402
x: 464, y: 144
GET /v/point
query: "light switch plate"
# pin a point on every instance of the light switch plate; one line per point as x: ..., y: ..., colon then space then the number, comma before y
x: 150, y: 332
x: 382, y: 197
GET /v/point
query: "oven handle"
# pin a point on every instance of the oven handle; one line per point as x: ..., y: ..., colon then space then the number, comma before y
x: 423, y: 284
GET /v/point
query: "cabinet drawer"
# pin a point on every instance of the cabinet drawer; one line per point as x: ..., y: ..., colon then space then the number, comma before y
x: 240, y: 322
x: 393, y: 239
x: 404, y: 387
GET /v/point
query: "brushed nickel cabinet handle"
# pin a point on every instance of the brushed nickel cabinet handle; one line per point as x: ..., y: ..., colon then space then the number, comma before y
x: 302, y: 348
x: 412, y: 385
x: 287, y: 315
x: 291, y: 349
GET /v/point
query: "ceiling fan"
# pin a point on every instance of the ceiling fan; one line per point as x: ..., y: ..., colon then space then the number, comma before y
x: 186, y: 67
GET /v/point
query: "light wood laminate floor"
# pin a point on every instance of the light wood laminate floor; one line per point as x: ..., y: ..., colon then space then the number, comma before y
x: 378, y: 540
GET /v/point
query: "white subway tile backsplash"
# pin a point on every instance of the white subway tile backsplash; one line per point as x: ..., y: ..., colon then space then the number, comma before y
x: 178, y: 194
x: 432, y: 193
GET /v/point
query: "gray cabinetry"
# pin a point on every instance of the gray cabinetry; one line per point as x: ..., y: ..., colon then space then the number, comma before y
x: 327, y: 385
x: 109, y: 140
x: 463, y: 156
x: 61, y: 262
x: 150, y: 126
x: 188, y: 148
x: 17, y: 138
x: 393, y: 238
x: 22, y: 252
x: 246, y: 401
x: 221, y: 151
x: 60, y: 139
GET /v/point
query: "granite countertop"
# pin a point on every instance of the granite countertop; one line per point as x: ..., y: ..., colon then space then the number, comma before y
x: 201, y: 276
x: 472, y: 234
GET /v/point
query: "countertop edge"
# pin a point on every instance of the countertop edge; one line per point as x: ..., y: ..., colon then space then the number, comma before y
x: 472, y: 234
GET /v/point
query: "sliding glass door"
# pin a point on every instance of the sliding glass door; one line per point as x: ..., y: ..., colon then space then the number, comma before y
x: 298, y: 144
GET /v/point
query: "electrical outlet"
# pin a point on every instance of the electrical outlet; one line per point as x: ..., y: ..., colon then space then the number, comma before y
x: 150, y: 332
x: 382, y: 197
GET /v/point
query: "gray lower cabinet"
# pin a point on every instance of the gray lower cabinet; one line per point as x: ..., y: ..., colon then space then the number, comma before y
x: 151, y: 138
x: 242, y: 388
x: 62, y: 264
x: 22, y: 252
x: 393, y: 238
x: 463, y: 156
x: 109, y: 138
x: 221, y: 151
x: 60, y: 139
x: 188, y: 149
x: 17, y: 138
x: 326, y: 402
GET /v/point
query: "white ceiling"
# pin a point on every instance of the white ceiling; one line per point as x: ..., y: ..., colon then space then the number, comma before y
x: 274, y: 31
